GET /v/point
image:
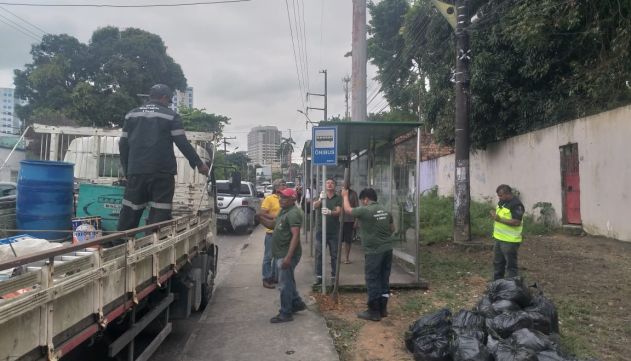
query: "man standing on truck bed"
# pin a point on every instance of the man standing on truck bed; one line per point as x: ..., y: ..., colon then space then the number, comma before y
x: 148, y: 160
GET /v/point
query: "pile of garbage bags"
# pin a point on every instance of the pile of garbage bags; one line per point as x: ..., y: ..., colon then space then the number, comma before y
x: 509, y: 323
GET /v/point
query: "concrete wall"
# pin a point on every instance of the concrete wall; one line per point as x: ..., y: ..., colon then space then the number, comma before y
x: 13, y: 164
x: 531, y: 164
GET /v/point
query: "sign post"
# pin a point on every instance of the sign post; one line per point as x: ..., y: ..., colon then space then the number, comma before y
x: 324, y: 153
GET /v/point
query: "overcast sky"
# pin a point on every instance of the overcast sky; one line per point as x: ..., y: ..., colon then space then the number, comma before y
x: 238, y: 57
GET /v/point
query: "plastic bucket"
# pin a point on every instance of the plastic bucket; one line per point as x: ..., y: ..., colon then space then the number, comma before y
x: 45, y: 199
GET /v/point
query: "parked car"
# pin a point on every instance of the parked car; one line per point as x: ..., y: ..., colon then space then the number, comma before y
x: 268, y: 190
x: 237, y: 211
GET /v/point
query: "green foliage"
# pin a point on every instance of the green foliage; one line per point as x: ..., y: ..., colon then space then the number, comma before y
x: 197, y: 120
x: 535, y: 63
x: 95, y: 83
x: 436, y: 219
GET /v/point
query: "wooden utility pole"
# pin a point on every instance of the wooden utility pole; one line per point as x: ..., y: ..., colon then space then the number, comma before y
x: 462, y: 193
x: 360, y: 54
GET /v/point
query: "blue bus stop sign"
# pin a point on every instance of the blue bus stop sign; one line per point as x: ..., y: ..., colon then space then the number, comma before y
x: 324, y: 140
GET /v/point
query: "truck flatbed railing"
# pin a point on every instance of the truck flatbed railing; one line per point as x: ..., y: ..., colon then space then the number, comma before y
x: 71, y: 294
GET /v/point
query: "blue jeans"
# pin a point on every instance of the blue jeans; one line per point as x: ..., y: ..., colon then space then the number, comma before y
x: 331, y: 242
x: 269, y: 268
x: 505, y: 259
x: 289, y: 296
x: 377, y: 272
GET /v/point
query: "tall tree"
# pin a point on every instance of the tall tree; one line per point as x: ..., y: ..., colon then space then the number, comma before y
x: 97, y: 83
x: 535, y: 62
x: 198, y: 120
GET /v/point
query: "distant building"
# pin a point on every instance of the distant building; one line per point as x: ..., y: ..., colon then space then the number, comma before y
x: 263, y: 144
x: 182, y: 99
x: 9, y: 123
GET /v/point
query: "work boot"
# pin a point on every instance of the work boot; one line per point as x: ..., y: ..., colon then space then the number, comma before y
x: 280, y: 318
x: 268, y: 284
x: 297, y: 307
x: 383, y: 306
x: 373, y: 313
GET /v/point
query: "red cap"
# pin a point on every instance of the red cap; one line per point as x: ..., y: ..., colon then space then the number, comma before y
x: 288, y: 192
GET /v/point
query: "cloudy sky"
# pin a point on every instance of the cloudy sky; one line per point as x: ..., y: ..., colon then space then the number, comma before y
x: 238, y: 57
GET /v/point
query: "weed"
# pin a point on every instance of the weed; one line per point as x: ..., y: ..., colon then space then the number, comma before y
x: 344, y: 334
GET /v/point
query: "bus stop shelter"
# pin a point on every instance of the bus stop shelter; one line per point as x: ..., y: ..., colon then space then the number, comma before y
x: 384, y: 156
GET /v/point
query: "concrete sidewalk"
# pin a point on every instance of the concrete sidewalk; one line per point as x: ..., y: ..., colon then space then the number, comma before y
x: 235, y: 325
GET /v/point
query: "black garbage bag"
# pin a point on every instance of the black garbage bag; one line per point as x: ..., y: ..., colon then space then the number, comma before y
x: 543, y: 314
x: 511, y: 289
x: 504, y: 306
x: 469, y: 323
x: 485, y: 307
x: 438, y: 323
x: 509, y: 350
x: 431, y: 347
x: 551, y: 356
x: 534, y: 340
x: 503, y: 325
x: 492, y: 343
x: 468, y: 347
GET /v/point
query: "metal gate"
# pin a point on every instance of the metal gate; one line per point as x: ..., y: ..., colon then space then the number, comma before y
x: 570, y: 183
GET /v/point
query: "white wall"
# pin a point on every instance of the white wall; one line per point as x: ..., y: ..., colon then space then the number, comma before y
x: 531, y: 164
x: 13, y: 164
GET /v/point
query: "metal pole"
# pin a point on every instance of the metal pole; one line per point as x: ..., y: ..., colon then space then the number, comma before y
x: 323, y: 205
x: 462, y: 228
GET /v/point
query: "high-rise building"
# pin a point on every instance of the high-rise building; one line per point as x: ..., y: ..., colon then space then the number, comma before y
x: 263, y: 144
x: 9, y: 123
x: 181, y: 99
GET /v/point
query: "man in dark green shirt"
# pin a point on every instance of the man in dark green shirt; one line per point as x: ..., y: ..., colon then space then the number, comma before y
x: 286, y: 251
x: 331, y: 211
x: 375, y: 232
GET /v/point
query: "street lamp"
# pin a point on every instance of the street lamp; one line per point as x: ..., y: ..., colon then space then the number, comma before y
x: 308, y: 120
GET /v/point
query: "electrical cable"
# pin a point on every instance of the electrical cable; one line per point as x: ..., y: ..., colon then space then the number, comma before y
x: 124, y: 6
x: 19, y: 30
x: 44, y: 32
x: 293, y: 45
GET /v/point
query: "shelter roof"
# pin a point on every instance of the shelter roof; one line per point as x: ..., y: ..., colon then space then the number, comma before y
x: 353, y: 137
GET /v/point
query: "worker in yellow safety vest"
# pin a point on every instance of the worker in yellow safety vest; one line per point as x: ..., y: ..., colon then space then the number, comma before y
x: 507, y: 228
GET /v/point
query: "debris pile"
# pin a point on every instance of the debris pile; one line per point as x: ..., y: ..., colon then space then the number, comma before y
x: 509, y: 323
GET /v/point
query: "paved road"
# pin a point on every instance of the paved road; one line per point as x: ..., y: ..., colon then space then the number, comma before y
x: 235, y: 325
x: 230, y: 248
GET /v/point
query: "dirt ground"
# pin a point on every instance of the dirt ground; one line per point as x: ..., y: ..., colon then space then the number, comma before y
x: 588, y: 278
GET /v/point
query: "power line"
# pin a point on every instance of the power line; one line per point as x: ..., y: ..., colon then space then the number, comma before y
x: 25, y: 21
x: 293, y: 46
x: 124, y: 6
x: 298, y: 28
x: 304, y: 35
x: 27, y: 34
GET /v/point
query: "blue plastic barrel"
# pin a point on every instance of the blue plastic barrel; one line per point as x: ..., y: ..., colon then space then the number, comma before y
x: 44, y: 198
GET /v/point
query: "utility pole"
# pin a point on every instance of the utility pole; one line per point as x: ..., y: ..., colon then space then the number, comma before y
x: 462, y: 193
x: 346, y: 80
x: 225, y: 143
x: 360, y: 54
x: 324, y: 109
x: 459, y: 20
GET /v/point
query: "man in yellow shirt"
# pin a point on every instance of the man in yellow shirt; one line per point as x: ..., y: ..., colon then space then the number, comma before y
x: 270, y: 208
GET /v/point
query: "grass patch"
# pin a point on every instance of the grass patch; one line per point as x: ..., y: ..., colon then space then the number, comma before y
x: 574, y: 319
x: 437, y: 214
x: 344, y: 334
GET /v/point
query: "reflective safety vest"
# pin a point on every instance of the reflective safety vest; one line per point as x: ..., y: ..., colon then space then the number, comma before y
x: 504, y: 232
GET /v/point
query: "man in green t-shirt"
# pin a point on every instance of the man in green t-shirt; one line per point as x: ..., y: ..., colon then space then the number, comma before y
x: 286, y: 252
x: 375, y: 232
x: 331, y: 211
